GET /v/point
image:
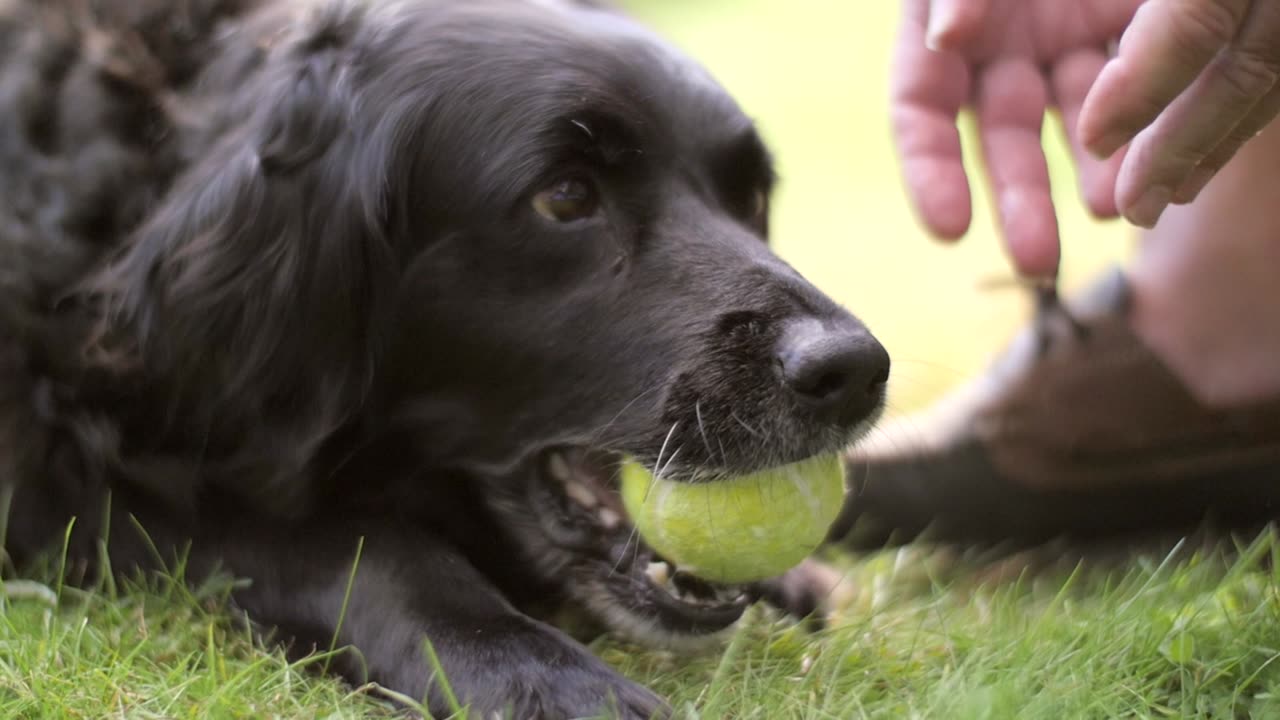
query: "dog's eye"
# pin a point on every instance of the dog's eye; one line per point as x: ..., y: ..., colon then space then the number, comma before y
x: 567, y: 201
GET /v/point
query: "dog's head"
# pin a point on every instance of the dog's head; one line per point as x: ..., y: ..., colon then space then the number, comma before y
x: 527, y: 234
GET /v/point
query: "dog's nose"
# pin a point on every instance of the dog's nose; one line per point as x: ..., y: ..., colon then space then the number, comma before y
x: 840, y: 371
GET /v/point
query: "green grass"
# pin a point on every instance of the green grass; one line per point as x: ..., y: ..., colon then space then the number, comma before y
x: 1191, y: 633
x: 154, y: 650
x: 1195, y: 637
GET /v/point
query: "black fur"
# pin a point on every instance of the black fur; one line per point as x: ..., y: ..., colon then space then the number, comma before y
x: 271, y: 282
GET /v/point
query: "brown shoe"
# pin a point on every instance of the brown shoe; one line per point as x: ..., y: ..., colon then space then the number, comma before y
x: 1087, y: 436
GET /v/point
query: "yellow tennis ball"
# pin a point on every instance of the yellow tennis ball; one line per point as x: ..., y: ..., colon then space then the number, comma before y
x: 739, y: 529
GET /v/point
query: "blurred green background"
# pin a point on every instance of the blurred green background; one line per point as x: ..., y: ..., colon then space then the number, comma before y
x: 814, y: 73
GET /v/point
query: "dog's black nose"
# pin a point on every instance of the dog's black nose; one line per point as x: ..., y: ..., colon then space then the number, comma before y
x: 840, y: 371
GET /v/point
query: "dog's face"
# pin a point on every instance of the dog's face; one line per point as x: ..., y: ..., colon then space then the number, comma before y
x: 598, y: 282
x: 594, y: 268
x: 530, y: 236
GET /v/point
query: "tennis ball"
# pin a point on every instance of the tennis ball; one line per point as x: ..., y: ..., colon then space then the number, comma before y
x: 739, y: 529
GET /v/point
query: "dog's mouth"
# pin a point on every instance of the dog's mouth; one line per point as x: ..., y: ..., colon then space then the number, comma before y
x: 631, y: 587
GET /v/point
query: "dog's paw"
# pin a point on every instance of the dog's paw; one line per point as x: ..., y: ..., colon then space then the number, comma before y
x: 586, y: 690
x: 807, y: 592
x: 543, y: 675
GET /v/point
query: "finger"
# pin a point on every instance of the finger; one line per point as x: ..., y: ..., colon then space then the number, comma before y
x: 1071, y: 77
x: 970, y: 26
x: 1260, y: 117
x: 1011, y: 103
x: 1165, y: 154
x: 1256, y: 45
x: 927, y: 91
x: 1164, y: 49
x: 1090, y: 22
x: 954, y: 23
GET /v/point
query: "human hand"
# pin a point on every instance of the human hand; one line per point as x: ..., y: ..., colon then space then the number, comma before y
x: 1011, y: 60
x: 1192, y: 82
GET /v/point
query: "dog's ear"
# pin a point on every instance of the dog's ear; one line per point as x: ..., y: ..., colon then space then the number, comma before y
x: 265, y: 270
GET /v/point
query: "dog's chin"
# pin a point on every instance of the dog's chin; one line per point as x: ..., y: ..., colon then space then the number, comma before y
x: 576, y: 531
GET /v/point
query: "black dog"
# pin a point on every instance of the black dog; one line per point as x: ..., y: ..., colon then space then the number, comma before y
x: 279, y: 277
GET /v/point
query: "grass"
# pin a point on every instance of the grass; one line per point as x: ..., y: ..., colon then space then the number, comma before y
x: 1194, y: 632
x: 926, y: 636
x: 157, y: 650
x: 919, y: 634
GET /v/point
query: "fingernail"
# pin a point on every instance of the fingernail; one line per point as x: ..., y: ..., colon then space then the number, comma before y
x: 941, y: 16
x: 1193, y: 185
x: 1147, y: 210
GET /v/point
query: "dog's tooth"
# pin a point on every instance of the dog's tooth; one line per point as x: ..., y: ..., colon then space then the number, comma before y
x: 609, y: 518
x: 558, y: 467
x: 658, y: 572
x: 672, y: 590
x: 581, y: 494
